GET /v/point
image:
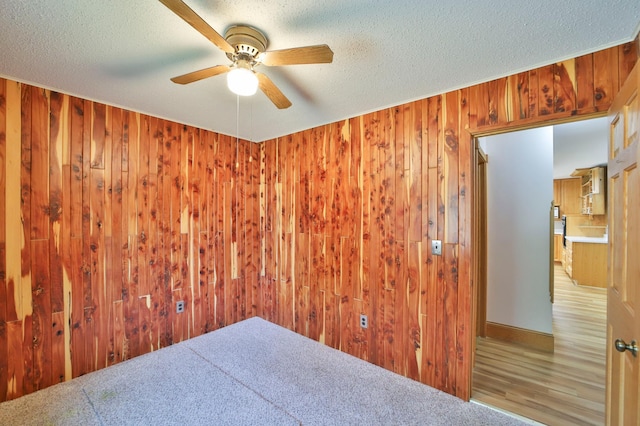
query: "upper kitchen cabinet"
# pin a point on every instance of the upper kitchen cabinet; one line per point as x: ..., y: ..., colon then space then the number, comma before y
x: 567, y: 195
x: 592, y: 190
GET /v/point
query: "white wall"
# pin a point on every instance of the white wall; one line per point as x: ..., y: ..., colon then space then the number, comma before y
x: 580, y: 144
x: 519, y: 195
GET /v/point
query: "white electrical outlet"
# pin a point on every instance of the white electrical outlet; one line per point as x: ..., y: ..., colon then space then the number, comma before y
x: 364, y: 321
x: 180, y: 307
x: 436, y: 247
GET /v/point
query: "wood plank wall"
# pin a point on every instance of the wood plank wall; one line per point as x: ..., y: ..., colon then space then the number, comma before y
x: 352, y: 208
x: 108, y: 217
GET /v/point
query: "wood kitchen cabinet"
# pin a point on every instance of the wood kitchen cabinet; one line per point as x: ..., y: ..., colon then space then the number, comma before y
x: 586, y: 263
x: 568, y: 258
x: 557, y: 247
x: 567, y: 195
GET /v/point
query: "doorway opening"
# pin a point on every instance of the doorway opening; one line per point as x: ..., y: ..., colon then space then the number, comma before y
x: 512, y: 376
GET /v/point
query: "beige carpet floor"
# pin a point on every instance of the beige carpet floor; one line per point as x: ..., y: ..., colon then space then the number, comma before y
x: 249, y: 373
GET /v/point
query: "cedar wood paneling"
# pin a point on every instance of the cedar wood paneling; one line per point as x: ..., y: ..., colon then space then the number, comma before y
x: 108, y: 217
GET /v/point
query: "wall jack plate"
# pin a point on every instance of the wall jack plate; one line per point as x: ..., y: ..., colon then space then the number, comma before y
x: 180, y: 307
x: 364, y: 321
x: 436, y: 247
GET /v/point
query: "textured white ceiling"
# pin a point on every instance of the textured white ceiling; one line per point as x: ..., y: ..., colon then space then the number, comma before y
x: 123, y: 52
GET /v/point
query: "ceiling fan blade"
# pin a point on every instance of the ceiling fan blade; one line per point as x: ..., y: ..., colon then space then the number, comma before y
x: 190, y: 17
x: 200, y: 74
x: 273, y: 93
x: 320, y: 54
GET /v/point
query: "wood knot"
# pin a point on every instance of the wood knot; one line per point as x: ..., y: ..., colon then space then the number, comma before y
x: 599, y: 94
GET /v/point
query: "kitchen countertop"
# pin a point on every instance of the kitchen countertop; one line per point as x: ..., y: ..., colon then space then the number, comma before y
x: 595, y: 240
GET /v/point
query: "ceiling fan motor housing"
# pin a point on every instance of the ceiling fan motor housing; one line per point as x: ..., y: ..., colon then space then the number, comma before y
x: 247, y: 41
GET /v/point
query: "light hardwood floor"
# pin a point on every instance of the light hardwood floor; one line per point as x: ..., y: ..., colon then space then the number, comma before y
x: 566, y: 387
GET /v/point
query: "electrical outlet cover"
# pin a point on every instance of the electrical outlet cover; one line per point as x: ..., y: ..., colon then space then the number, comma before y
x: 364, y: 321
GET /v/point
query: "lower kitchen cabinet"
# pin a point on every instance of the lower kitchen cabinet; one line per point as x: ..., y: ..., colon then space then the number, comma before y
x: 590, y: 264
x: 568, y: 258
x: 557, y: 247
x: 586, y: 263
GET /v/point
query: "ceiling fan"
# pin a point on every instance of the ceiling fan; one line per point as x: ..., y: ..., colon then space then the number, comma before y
x: 246, y: 47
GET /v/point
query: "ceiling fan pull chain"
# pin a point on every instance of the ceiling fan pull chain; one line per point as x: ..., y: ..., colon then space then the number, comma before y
x: 237, y: 130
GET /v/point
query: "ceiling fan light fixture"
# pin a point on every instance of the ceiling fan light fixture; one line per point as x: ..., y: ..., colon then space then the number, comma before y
x: 242, y: 81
